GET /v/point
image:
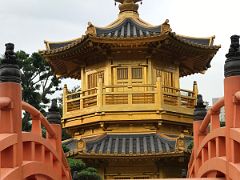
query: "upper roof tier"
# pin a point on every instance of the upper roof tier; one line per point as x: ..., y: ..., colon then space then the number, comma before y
x: 129, y: 31
x: 130, y: 28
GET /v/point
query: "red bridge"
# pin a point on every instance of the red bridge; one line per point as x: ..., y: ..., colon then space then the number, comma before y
x: 27, y: 155
x: 216, y: 150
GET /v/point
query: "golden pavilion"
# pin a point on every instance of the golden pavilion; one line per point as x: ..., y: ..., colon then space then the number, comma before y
x: 130, y: 119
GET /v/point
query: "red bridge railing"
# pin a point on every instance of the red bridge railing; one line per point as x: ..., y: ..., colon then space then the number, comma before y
x: 27, y: 155
x: 216, y: 151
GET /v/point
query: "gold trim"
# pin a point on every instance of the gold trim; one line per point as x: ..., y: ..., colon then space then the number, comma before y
x: 46, y: 44
x: 165, y: 27
x: 194, y: 37
x: 212, y: 40
x: 91, y: 30
x: 128, y: 41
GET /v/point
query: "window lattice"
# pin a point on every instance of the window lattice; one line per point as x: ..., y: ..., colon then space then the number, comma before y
x: 136, y: 73
x: 166, y: 78
x: 122, y: 73
x: 93, y: 79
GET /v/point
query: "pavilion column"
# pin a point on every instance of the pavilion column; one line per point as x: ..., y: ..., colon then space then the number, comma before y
x: 100, y: 93
x: 65, y: 93
x: 159, y: 94
x: 195, y: 92
x: 149, y: 70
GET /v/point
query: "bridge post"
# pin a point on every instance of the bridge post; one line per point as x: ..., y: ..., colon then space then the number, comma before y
x: 231, y: 86
x: 54, y: 119
x: 11, y: 115
x: 199, y: 114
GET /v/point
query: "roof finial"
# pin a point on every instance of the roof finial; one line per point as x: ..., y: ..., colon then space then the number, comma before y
x: 128, y: 5
x: 200, y: 110
x: 9, y: 70
x: 232, y: 64
x: 53, y: 115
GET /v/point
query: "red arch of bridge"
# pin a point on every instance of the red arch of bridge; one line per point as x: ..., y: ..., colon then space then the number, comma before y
x: 216, y: 151
x: 28, y: 155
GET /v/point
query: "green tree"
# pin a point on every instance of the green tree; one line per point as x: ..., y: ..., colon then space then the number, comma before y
x: 65, y: 135
x: 81, y: 171
x: 89, y: 174
x: 65, y: 148
x: 38, y: 82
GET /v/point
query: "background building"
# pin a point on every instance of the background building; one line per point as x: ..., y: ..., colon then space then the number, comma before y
x: 130, y: 119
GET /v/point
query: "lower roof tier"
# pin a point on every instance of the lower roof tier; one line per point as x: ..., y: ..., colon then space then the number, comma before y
x: 129, y: 145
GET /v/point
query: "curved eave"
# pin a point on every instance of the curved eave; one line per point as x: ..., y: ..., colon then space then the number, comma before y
x: 210, y: 45
x: 57, y: 45
x: 64, y: 48
x: 75, y: 153
x: 147, y: 155
x: 89, y: 44
x: 199, y: 62
x: 61, y: 70
x: 128, y: 40
x: 132, y: 146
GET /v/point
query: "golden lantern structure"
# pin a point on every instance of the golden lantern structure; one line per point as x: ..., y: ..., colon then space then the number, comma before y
x: 130, y: 119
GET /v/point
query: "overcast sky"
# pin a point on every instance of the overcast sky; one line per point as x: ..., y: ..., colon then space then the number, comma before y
x: 27, y: 23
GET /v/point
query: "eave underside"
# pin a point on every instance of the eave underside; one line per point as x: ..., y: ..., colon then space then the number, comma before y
x: 192, y: 58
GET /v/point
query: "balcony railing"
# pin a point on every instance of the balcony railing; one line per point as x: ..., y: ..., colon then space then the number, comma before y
x: 130, y: 95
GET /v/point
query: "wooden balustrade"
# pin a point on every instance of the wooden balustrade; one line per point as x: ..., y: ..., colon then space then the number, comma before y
x: 129, y: 94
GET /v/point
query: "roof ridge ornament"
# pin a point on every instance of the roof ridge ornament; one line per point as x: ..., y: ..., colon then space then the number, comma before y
x: 9, y: 69
x: 91, y: 30
x: 200, y: 110
x: 165, y: 27
x: 232, y: 64
x: 128, y: 5
x: 53, y: 115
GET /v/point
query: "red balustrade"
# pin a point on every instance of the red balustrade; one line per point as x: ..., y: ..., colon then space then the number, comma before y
x: 26, y: 155
x: 216, y: 151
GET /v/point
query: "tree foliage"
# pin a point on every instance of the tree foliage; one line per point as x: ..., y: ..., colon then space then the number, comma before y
x: 38, y: 82
x: 81, y: 171
x: 65, y: 135
x: 65, y: 148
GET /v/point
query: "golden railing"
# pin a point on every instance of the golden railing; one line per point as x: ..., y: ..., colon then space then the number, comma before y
x: 134, y: 94
x: 178, y: 97
x: 82, y: 99
x: 129, y: 94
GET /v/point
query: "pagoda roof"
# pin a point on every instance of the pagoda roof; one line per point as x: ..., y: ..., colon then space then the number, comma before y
x: 129, y: 31
x: 128, y: 145
x: 57, y: 47
x: 129, y: 28
x: 66, y: 58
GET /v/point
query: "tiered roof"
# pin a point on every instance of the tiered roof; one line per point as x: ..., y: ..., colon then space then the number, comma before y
x: 125, y: 145
x: 130, y: 32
